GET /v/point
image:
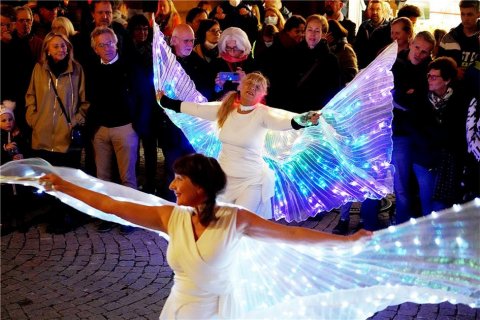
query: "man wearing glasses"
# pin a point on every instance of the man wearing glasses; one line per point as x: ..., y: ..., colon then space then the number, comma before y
x: 26, y: 48
x: 102, y: 14
x: 113, y: 91
x: 182, y: 43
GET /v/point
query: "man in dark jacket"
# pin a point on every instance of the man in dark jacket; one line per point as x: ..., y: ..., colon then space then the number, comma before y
x: 333, y: 11
x: 410, y: 89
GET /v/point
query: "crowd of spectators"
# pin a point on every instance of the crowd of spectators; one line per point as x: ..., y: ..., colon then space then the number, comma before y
x: 103, y: 74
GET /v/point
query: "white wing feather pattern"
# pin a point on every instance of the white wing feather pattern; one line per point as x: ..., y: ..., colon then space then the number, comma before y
x: 429, y: 260
x: 345, y: 158
x: 28, y: 171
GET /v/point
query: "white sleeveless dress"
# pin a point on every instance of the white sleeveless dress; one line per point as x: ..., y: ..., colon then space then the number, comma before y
x: 203, y: 268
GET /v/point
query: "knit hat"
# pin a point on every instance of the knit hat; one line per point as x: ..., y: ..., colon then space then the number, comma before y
x: 7, y: 106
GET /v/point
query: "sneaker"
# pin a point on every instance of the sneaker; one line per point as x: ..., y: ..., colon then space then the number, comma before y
x: 105, y: 226
x: 342, y: 227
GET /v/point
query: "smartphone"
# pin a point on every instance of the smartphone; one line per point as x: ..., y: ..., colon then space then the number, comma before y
x: 226, y: 76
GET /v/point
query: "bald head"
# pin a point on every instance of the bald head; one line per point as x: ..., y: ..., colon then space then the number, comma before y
x: 183, y: 39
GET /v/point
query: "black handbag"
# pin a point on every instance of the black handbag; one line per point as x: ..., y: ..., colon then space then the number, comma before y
x: 77, y: 134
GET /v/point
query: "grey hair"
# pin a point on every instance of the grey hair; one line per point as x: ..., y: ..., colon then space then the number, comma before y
x: 23, y: 8
x: 99, y: 31
x: 237, y: 34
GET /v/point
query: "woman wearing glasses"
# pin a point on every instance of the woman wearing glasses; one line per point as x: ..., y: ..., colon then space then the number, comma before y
x: 439, y: 144
x: 234, y: 61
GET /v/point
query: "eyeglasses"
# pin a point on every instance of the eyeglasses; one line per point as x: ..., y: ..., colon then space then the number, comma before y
x: 432, y: 77
x: 109, y: 44
x: 233, y: 49
x: 216, y: 31
x: 188, y: 41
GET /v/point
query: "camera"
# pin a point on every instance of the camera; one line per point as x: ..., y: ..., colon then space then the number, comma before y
x: 226, y: 76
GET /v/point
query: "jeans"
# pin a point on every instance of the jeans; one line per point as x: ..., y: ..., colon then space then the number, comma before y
x: 368, y: 213
x: 403, y: 179
x: 426, y: 183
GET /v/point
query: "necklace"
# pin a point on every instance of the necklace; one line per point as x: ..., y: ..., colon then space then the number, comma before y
x: 246, y: 108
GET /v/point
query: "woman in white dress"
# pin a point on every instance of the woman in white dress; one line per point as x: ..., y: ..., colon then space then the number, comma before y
x: 204, y: 235
x: 244, y: 121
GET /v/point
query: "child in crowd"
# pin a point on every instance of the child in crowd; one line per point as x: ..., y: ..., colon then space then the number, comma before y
x: 13, y: 144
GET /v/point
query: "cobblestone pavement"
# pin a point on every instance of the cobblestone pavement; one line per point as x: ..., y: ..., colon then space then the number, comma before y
x: 84, y: 274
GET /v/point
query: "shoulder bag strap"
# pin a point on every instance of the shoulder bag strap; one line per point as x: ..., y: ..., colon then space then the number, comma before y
x: 60, y: 101
x: 309, y: 72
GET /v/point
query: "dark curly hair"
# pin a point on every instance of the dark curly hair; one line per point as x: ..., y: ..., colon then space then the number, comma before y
x: 206, y: 173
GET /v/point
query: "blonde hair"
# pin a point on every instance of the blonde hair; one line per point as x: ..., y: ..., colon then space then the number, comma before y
x: 48, y: 38
x: 172, y: 14
x: 281, y: 19
x: 63, y: 25
x: 230, y: 100
x: 321, y: 19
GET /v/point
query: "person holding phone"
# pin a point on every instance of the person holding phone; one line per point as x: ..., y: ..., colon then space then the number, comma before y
x: 233, y: 62
x: 244, y: 121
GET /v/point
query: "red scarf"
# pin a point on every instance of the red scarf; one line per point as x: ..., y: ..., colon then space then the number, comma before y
x: 225, y: 56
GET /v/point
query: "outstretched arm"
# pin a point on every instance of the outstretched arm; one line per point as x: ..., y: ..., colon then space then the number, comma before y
x: 253, y: 226
x: 152, y: 217
x: 207, y: 110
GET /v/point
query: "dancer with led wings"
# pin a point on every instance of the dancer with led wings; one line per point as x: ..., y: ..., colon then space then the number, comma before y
x: 345, y: 158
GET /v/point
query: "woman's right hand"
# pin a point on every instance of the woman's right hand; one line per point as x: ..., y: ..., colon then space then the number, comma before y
x: 160, y: 94
x: 51, y: 181
x: 218, y: 81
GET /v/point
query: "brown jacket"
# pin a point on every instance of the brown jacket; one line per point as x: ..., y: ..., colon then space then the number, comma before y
x: 50, y: 130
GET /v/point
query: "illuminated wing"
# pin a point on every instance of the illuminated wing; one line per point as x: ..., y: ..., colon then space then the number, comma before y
x: 345, y: 158
x: 27, y: 172
x: 170, y: 77
x: 429, y: 260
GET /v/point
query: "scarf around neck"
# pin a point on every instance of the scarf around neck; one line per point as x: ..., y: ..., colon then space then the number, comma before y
x: 440, y: 102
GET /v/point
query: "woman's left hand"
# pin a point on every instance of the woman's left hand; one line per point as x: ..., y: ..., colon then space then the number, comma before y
x: 360, y: 234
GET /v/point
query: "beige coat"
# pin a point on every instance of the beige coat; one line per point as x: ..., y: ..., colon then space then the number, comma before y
x: 50, y: 130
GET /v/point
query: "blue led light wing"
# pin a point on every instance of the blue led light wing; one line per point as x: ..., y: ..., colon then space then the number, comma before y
x: 346, y: 157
